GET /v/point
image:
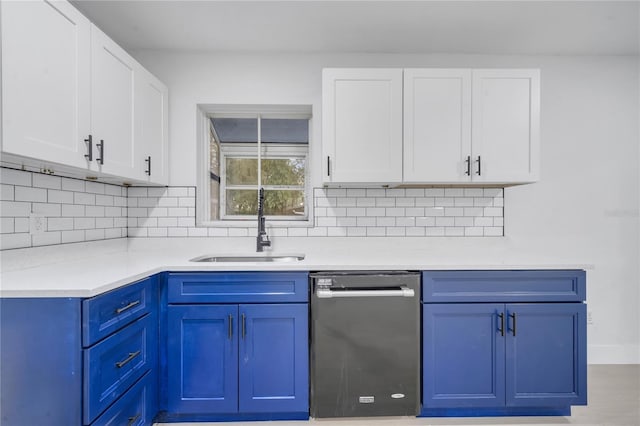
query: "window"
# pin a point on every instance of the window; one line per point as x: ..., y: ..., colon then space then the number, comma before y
x: 246, y: 151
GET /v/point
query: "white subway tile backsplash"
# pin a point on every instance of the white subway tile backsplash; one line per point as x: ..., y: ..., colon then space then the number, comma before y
x: 46, y: 181
x: 72, y: 236
x: 94, y: 187
x: 356, y: 211
x: 50, y: 210
x: 7, y: 225
x: 72, y: 210
x: 396, y: 232
x: 46, y: 239
x: 59, y: 224
x: 84, y: 198
x: 6, y: 192
x: 55, y: 196
x: 77, y: 210
x: 385, y: 202
x: 15, y: 209
x: 27, y: 193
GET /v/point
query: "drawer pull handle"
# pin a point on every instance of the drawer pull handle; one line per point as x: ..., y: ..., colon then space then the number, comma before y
x: 501, y: 324
x: 133, y: 419
x: 230, y: 327
x: 129, y: 306
x: 128, y: 359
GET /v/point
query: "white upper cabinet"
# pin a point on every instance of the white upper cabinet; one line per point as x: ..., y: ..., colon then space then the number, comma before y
x: 72, y: 97
x: 151, y: 130
x: 362, y: 125
x: 459, y: 126
x: 506, y: 125
x: 112, y: 106
x: 437, y: 125
x: 45, y: 81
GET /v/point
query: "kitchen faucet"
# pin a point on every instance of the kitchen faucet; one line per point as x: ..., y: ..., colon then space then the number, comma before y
x: 262, y: 240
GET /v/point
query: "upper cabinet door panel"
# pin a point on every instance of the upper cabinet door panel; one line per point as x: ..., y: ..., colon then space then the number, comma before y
x: 506, y: 121
x: 362, y: 125
x: 112, y: 105
x: 437, y: 125
x: 45, y: 81
x: 151, y: 129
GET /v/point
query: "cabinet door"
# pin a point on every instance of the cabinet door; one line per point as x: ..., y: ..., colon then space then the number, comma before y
x: 274, y: 360
x: 505, y: 125
x: 45, y: 81
x: 437, y: 125
x: 362, y: 125
x: 546, y: 354
x: 112, y: 105
x: 202, y: 359
x: 151, y: 129
x: 463, y: 355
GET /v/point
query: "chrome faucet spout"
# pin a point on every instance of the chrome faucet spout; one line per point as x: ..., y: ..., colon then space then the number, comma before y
x: 262, y: 240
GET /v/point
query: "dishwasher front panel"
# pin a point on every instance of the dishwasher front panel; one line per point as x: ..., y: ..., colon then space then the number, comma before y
x: 366, y: 346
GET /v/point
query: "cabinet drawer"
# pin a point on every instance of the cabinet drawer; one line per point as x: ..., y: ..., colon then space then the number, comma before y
x: 104, y: 314
x: 113, y: 365
x: 504, y: 286
x: 238, y: 287
x: 135, y: 408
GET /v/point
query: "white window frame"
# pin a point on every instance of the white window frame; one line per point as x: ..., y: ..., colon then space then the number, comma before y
x: 269, y: 151
x: 204, y: 114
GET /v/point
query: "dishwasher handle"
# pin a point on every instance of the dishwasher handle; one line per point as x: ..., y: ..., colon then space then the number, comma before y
x: 326, y: 293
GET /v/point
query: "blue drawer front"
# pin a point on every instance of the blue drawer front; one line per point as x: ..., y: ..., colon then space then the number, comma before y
x: 107, y: 313
x: 136, y: 408
x: 114, y: 364
x: 504, y: 286
x: 238, y: 287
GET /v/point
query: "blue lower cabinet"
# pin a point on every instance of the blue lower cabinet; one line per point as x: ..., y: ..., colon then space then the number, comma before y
x: 202, y: 358
x: 237, y: 362
x: 545, y: 354
x: 463, y: 355
x: 136, y: 408
x: 503, y: 359
x: 274, y: 366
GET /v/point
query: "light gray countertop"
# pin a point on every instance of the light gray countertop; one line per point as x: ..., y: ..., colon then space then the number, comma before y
x: 89, y: 269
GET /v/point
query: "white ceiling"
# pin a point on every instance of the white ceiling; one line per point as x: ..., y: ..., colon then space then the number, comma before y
x: 477, y: 27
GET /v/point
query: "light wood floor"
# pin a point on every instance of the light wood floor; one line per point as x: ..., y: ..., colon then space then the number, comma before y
x: 614, y: 400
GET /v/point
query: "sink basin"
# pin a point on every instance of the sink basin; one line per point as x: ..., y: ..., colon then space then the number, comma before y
x: 250, y: 258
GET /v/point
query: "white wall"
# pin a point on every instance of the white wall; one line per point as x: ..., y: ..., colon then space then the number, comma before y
x: 585, y: 209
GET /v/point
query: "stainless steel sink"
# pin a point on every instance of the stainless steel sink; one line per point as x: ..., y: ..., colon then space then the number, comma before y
x: 250, y: 258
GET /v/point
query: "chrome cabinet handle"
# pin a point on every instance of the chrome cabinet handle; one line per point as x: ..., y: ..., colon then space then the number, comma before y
x: 128, y: 359
x: 129, y: 306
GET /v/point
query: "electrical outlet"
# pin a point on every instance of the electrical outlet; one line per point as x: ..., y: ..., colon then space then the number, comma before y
x: 37, y: 224
x: 589, y: 318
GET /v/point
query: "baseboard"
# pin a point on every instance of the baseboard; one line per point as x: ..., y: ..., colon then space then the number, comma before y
x: 613, y: 354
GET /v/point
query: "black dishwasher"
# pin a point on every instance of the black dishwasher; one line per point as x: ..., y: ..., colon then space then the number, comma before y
x: 365, y: 344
